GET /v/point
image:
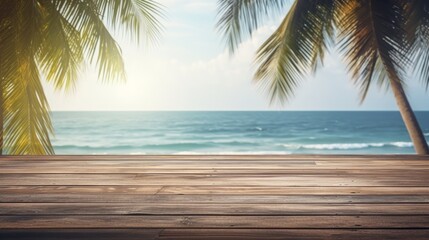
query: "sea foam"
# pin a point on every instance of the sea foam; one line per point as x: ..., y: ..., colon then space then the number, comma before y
x: 234, y: 153
x: 346, y: 146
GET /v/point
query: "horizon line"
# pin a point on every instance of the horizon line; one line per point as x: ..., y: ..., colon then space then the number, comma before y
x: 184, y: 110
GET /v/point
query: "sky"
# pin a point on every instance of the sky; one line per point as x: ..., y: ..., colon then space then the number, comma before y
x: 191, y: 69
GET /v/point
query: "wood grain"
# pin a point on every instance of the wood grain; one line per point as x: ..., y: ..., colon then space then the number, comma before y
x: 214, y: 234
x: 214, y: 197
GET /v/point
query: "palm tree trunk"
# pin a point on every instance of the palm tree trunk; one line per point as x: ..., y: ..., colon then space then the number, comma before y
x: 409, y: 118
x: 1, y: 126
x: 1, y: 116
x: 1, y: 129
x: 1, y: 113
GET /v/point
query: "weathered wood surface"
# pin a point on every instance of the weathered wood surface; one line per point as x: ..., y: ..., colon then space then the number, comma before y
x: 214, y: 197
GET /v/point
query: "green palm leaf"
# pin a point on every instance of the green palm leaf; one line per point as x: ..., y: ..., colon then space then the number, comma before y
x: 417, y: 25
x: 293, y: 50
x: 373, y: 42
x: 51, y: 40
x: 61, y: 53
x: 26, y: 119
x: 239, y: 18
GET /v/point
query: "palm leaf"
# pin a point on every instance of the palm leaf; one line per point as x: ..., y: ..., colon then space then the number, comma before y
x: 6, y: 62
x: 133, y: 16
x: 26, y: 119
x: 239, y: 18
x: 417, y: 15
x: 373, y: 42
x: 100, y: 48
x: 296, y: 47
x: 61, y: 53
x: 99, y: 45
x: 52, y: 39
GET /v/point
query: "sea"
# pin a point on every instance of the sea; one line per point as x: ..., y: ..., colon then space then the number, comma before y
x: 233, y: 132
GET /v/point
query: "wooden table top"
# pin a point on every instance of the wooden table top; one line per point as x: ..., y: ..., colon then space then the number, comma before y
x: 215, y: 197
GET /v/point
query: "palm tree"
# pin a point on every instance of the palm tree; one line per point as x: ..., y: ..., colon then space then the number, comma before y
x: 379, y: 40
x: 51, y: 40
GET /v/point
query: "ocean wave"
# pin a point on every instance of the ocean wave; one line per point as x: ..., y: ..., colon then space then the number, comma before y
x: 233, y: 153
x: 168, y: 146
x: 347, y: 146
x: 402, y: 144
x: 232, y: 142
x: 184, y: 145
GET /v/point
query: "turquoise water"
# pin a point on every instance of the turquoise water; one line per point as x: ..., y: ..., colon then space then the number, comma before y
x: 232, y: 132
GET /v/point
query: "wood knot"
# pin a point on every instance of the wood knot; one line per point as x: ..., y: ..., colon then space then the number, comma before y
x: 186, y: 221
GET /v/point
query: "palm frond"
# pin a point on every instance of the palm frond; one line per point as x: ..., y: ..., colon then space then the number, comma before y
x: 296, y: 47
x: 61, y: 53
x: 6, y: 37
x: 26, y: 119
x: 324, y: 20
x: 52, y: 39
x: 99, y: 45
x: 373, y: 42
x: 239, y: 18
x: 417, y: 15
x: 133, y: 16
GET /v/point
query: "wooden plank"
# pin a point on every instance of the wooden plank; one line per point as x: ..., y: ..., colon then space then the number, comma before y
x: 215, y: 190
x: 214, y: 234
x: 262, y: 222
x: 80, y: 234
x: 404, y: 172
x: 224, y: 180
x: 295, y: 234
x: 219, y: 198
x: 244, y: 157
x: 173, y: 164
x: 226, y: 165
x: 233, y: 162
x: 238, y: 209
